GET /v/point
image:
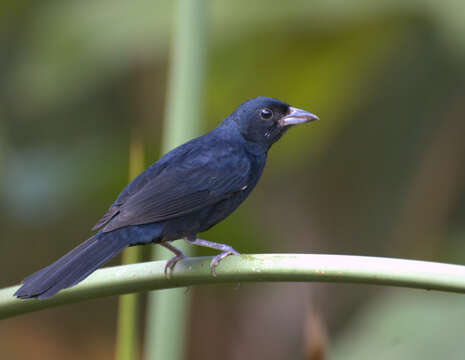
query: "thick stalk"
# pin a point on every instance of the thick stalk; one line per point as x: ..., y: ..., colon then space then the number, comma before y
x: 167, y: 311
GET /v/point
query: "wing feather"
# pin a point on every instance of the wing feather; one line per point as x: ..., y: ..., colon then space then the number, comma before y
x: 199, y: 180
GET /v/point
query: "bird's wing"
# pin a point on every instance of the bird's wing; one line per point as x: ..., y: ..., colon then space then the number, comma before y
x: 131, y: 189
x: 146, y: 176
x: 190, y: 182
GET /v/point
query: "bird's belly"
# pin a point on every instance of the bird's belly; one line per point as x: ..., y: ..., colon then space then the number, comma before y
x: 198, y: 221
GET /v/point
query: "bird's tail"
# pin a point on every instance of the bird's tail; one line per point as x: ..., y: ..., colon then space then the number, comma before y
x: 73, y: 267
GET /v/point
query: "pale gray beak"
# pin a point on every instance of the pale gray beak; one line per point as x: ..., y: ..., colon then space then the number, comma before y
x: 297, y: 116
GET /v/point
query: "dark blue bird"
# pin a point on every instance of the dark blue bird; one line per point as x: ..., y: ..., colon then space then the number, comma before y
x: 187, y: 191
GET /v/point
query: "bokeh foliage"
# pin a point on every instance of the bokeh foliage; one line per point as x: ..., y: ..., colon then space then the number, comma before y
x: 381, y: 174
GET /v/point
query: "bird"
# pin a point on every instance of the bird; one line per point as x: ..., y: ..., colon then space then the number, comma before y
x: 187, y: 191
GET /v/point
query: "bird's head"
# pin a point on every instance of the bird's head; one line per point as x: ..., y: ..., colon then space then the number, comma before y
x: 264, y: 120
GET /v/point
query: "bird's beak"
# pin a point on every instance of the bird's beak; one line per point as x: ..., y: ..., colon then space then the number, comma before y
x: 297, y: 116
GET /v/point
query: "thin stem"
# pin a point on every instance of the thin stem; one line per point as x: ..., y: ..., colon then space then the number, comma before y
x: 127, y: 333
x: 248, y: 268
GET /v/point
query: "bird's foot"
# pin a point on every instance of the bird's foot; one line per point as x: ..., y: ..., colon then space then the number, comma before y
x: 226, y: 250
x: 171, y: 263
x: 216, y: 260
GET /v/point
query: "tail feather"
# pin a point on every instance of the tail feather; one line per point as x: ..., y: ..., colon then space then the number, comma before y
x: 73, y: 267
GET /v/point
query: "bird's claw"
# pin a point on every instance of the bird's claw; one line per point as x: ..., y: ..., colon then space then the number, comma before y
x: 216, y: 260
x: 171, y: 263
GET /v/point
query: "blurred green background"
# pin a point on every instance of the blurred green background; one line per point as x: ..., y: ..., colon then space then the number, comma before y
x: 382, y: 174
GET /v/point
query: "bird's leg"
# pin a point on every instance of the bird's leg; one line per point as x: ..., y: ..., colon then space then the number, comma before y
x: 172, y: 262
x: 226, y: 250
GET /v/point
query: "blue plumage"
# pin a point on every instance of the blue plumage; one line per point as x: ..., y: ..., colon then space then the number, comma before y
x: 187, y: 191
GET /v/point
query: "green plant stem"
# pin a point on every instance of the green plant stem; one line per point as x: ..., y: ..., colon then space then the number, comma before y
x: 127, y: 333
x: 167, y: 311
x: 249, y: 268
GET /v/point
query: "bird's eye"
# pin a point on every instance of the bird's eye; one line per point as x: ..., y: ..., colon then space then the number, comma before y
x: 266, y: 114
